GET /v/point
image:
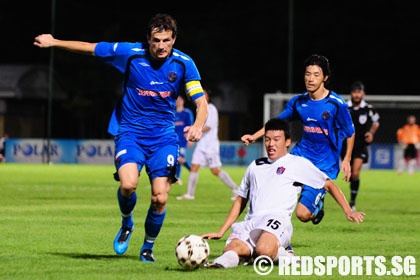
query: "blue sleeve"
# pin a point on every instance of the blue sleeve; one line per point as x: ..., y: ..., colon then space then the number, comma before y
x: 289, y: 112
x: 114, y: 54
x: 345, y: 121
x: 191, y: 71
x: 191, y: 76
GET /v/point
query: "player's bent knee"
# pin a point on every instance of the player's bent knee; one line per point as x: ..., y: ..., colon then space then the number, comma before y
x: 304, y: 216
x: 303, y: 213
x: 158, y: 202
x: 303, y: 219
x: 266, y: 251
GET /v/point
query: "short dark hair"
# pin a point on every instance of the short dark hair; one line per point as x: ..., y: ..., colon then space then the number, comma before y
x: 320, y: 61
x: 357, y: 85
x: 279, y: 124
x: 162, y: 22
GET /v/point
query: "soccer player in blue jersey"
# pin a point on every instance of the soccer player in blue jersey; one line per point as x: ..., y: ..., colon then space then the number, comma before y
x: 143, y: 122
x: 326, y: 122
x: 183, y: 117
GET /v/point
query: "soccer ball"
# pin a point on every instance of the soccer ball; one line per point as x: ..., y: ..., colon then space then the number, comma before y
x: 192, y: 251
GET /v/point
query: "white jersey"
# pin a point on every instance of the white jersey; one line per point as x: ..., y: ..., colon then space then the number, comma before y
x: 209, y: 141
x: 273, y: 187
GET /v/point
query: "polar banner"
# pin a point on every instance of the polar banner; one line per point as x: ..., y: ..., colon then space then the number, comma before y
x: 61, y: 151
x: 87, y: 151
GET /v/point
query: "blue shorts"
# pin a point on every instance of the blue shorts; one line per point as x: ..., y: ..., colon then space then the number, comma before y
x: 159, y: 155
x: 310, y: 197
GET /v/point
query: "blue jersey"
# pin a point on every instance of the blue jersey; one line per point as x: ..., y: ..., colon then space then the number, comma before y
x: 150, y: 90
x: 326, y: 123
x: 182, y: 119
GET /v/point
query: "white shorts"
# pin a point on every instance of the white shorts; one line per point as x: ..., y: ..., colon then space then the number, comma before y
x: 249, y: 231
x: 204, y: 158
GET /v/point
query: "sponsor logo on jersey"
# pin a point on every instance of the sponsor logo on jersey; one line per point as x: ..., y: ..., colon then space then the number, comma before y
x: 172, y: 77
x: 280, y: 170
x: 326, y: 115
x: 315, y: 129
x: 162, y: 94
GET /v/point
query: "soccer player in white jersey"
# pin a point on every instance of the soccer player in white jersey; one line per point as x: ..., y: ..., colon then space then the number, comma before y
x: 271, y: 185
x: 207, y: 153
x: 143, y: 122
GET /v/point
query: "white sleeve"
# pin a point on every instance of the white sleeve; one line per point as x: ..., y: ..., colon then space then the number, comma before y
x: 307, y: 173
x: 246, y: 181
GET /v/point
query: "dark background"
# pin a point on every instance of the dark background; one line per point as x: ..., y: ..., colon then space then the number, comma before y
x: 238, y: 46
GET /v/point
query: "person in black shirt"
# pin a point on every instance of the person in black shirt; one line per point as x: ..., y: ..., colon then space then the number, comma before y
x: 366, y: 123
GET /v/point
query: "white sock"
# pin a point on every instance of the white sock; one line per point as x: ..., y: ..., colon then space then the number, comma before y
x: 228, y: 259
x: 283, y: 257
x: 227, y: 180
x: 192, y: 183
x: 411, y: 166
x: 401, y: 165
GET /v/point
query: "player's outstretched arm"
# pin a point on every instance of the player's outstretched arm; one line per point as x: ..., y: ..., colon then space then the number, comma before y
x: 337, y: 194
x: 48, y: 41
x: 251, y: 138
x: 235, y: 211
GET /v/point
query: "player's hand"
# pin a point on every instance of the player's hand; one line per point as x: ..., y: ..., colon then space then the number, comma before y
x: 212, y: 235
x: 247, y: 139
x: 356, y: 217
x: 193, y: 133
x: 346, y: 169
x: 44, y: 41
x: 368, y: 137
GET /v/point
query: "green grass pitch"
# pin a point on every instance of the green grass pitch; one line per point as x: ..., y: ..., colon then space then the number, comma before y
x: 59, y: 222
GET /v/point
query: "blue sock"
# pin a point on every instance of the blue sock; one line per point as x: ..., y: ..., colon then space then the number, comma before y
x: 178, y: 171
x: 126, y: 207
x: 152, y: 226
